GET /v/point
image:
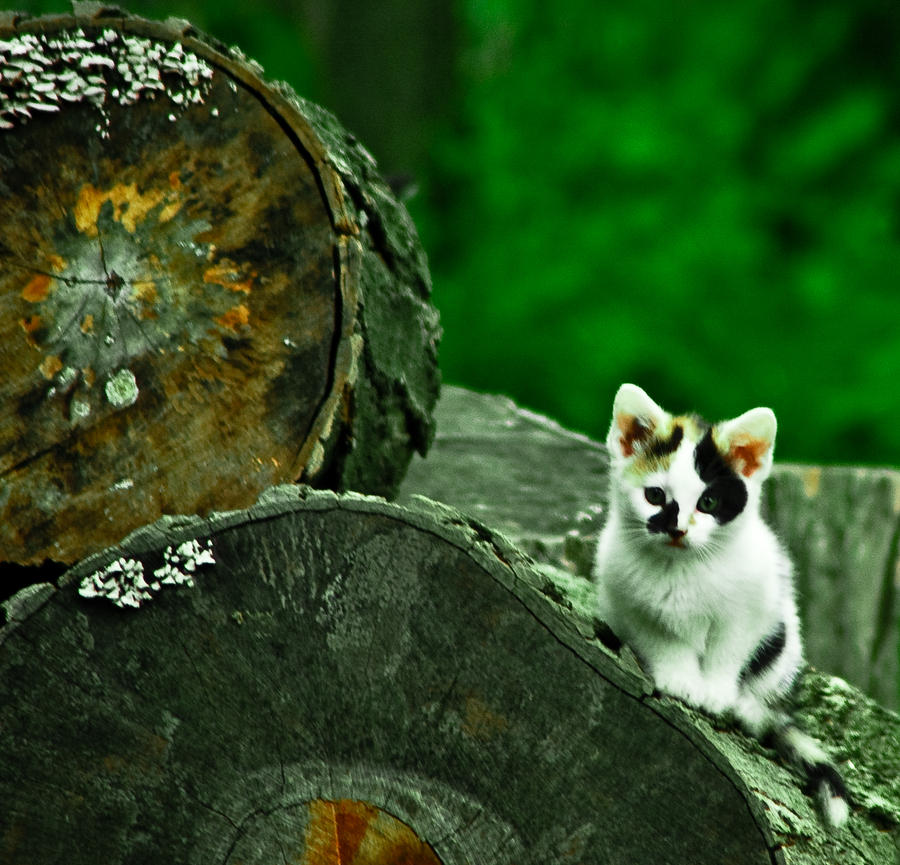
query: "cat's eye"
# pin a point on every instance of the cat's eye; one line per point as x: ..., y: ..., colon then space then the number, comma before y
x: 707, y: 504
x: 655, y: 496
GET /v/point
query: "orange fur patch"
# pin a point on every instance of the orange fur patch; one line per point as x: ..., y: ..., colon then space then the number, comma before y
x: 748, y: 455
x: 632, y: 431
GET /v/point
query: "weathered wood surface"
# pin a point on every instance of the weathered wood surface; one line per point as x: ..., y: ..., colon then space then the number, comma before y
x: 545, y: 488
x: 842, y: 526
x: 351, y: 681
x: 205, y: 288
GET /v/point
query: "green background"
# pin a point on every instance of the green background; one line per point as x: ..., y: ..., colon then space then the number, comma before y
x: 700, y: 197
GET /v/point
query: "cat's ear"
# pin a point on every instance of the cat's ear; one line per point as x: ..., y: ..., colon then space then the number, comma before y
x: 748, y: 441
x: 635, y: 419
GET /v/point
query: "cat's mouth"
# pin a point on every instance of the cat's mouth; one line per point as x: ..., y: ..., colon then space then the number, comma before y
x: 676, y: 542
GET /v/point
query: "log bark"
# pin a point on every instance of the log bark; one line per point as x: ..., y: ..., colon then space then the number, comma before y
x: 339, y: 679
x: 205, y: 288
x: 545, y: 488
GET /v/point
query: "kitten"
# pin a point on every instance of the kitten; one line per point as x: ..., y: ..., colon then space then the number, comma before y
x: 691, y: 578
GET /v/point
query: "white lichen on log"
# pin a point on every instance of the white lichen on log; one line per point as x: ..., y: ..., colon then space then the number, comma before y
x: 123, y: 581
x: 42, y: 72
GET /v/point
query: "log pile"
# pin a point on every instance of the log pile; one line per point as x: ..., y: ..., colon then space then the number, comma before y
x: 544, y: 487
x: 327, y: 672
x: 209, y: 294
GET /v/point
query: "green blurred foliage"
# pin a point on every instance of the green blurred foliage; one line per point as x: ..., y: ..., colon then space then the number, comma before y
x: 700, y: 197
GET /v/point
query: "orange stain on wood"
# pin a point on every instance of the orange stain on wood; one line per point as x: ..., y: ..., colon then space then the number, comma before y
x: 130, y: 206
x: 50, y: 366
x: 235, y: 318
x: 31, y: 324
x: 350, y: 832
x: 220, y: 274
x: 87, y: 209
x: 37, y: 289
x: 168, y: 212
x: 87, y: 324
x: 57, y: 263
x: 145, y: 292
x: 480, y: 722
x: 244, y: 285
x: 228, y: 276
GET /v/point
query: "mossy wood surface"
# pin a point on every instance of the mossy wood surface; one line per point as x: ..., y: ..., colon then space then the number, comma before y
x: 205, y: 288
x: 545, y: 488
x: 356, y: 682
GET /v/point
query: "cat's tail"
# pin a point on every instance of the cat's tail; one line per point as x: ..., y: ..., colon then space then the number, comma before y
x: 823, y: 779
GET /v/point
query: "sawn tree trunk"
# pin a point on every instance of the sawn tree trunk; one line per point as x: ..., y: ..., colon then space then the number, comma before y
x: 205, y: 288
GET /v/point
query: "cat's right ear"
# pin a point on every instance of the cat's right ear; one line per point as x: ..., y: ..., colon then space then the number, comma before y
x: 635, y: 418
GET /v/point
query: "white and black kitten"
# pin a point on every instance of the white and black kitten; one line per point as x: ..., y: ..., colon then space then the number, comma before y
x: 691, y: 578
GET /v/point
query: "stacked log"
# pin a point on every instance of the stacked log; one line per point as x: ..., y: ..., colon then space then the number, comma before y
x: 545, y: 488
x: 205, y: 287
x: 208, y: 295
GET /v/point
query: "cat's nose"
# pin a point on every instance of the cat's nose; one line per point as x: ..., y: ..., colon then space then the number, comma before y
x: 675, y: 533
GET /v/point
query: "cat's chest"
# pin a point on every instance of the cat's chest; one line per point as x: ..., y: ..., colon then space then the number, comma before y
x: 684, y: 601
x: 683, y: 608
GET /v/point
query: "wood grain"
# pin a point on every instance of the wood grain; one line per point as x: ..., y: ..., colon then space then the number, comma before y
x: 179, y: 274
x: 351, y: 678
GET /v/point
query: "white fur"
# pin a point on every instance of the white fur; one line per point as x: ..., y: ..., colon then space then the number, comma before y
x: 695, y: 614
x: 805, y: 750
x: 696, y: 611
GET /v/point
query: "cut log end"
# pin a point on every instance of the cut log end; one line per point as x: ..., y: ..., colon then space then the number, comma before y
x: 178, y: 281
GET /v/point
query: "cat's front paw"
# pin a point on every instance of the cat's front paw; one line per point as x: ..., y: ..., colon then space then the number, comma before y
x: 689, y: 689
x: 720, y: 697
x: 714, y: 698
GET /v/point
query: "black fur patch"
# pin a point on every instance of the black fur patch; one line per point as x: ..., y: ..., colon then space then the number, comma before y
x: 766, y: 653
x: 666, y: 520
x: 663, y: 447
x: 720, y: 479
x: 604, y: 633
x: 818, y: 774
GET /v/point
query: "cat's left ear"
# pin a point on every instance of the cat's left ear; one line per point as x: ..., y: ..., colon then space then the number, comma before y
x: 636, y: 418
x: 748, y: 442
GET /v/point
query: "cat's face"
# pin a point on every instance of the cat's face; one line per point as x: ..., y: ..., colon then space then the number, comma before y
x: 681, y: 485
